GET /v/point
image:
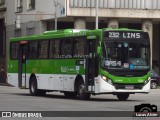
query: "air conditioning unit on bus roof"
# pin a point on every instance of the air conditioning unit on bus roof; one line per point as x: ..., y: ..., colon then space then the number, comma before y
x: 63, y: 31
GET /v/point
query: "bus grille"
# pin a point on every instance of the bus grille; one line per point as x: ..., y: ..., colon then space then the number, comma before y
x: 123, y: 86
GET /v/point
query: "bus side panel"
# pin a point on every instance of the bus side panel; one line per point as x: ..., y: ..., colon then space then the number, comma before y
x: 13, y: 79
x: 27, y: 80
x: 69, y: 82
x: 58, y: 82
x: 43, y: 81
x: 97, y: 84
x: 55, y: 82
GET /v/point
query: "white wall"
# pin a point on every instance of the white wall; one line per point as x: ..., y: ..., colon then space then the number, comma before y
x: 125, y: 9
x: 42, y: 8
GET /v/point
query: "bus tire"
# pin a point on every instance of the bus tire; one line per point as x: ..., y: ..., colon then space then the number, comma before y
x: 33, y: 86
x: 122, y: 96
x: 34, y: 90
x: 81, y: 91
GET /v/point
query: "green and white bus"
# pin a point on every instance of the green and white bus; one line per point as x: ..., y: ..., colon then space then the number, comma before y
x: 82, y: 62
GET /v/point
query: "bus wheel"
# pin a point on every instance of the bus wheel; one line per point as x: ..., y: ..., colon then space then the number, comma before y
x: 33, y: 86
x: 122, y: 96
x: 81, y: 91
x: 70, y: 94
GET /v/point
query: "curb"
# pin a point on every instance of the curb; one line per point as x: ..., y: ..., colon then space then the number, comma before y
x: 5, y: 84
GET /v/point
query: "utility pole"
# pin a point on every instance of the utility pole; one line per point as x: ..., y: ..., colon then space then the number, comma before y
x: 97, y: 6
x: 56, y: 3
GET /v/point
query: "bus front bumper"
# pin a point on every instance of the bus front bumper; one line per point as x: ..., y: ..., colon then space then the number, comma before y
x: 105, y: 87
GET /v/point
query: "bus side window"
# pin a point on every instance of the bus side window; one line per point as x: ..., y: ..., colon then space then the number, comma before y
x: 66, y: 49
x: 51, y: 49
x: 33, y: 50
x: 43, y: 49
x: 79, y: 46
x: 54, y: 49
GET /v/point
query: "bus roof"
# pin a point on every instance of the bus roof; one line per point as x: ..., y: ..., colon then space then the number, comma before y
x: 121, y: 29
x: 67, y: 33
x: 63, y: 31
x: 50, y: 34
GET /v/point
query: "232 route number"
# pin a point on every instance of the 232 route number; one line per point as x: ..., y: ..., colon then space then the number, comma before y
x: 114, y: 34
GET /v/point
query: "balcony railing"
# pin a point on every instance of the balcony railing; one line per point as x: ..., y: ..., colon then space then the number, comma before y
x: 117, y: 4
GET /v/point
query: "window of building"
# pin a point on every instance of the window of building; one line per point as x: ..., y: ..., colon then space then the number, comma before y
x: 54, y: 50
x: 2, y: 2
x: 31, y: 4
x: 19, y: 5
x: 43, y: 49
x: 79, y: 45
x: 18, y: 33
x: 67, y: 47
x: 14, y: 50
x: 33, y: 50
x: 30, y: 31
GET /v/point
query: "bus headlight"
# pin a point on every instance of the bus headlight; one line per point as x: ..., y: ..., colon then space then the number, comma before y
x: 104, y: 78
x: 107, y: 79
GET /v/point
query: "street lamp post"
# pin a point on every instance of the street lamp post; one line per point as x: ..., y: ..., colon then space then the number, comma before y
x: 97, y: 5
x: 56, y: 3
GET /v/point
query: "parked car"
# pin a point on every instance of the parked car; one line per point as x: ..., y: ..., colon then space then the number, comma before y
x: 155, y: 80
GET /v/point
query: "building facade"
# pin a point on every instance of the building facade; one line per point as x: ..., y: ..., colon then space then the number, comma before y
x: 2, y: 41
x: 27, y: 17
x: 2, y: 34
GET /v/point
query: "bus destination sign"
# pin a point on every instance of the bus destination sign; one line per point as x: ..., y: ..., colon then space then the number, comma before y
x: 124, y: 35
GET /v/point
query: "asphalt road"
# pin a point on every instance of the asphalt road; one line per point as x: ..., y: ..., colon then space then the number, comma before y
x: 14, y: 99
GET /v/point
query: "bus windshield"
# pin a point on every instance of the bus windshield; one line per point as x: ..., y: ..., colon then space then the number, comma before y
x: 125, y: 55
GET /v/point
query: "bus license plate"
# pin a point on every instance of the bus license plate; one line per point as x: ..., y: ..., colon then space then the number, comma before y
x: 129, y: 87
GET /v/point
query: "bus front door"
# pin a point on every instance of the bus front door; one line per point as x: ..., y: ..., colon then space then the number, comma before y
x: 90, y: 64
x: 22, y: 64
